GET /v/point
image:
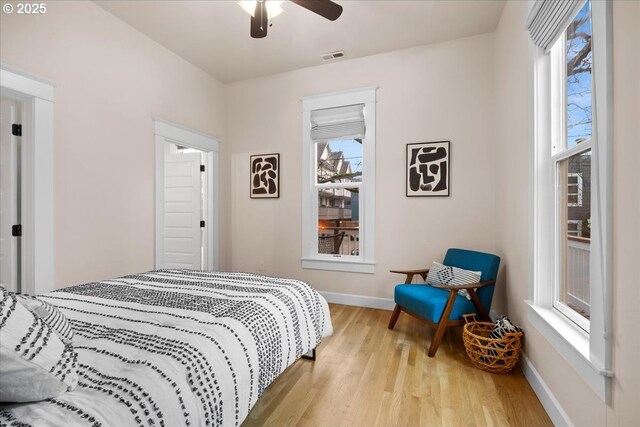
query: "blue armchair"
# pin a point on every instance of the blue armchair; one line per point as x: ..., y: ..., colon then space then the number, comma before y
x: 440, y: 306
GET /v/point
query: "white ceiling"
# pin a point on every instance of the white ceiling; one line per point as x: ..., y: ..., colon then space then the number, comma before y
x: 214, y: 35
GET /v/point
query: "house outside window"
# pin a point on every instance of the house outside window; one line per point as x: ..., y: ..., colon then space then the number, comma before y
x: 339, y: 181
x: 338, y: 162
x: 569, y: 289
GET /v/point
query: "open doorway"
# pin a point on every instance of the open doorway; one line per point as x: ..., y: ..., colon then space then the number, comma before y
x: 10, y: 193
x: 185, y: 207
x: 27, y: 182
x: 186, y: 217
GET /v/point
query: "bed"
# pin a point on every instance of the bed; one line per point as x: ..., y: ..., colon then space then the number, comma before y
x: 177, y: 348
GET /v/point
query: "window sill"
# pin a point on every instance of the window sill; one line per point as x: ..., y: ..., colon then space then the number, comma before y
x: 339, y: 265
x: 572, y: 343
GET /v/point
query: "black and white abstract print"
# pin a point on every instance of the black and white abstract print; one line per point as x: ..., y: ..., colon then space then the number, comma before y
x: 428, y: 169
x: 178, y: 347
x: 265, y: 176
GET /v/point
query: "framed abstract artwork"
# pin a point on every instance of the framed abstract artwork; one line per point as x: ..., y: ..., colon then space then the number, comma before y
x: 265, y: 176
x: 428, y: 169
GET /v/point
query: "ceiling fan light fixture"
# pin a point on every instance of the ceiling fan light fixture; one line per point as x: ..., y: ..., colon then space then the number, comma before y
x: 273, y: 7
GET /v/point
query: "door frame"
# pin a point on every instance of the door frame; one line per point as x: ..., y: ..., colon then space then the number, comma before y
x: 37, y: 178
x: 164, y: 132
x: 11, y: 110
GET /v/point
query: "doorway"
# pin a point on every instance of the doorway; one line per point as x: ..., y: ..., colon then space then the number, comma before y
x: 10, y: 193
x: 30, y: 99
x: 185, y: 207
x: 186, y: 217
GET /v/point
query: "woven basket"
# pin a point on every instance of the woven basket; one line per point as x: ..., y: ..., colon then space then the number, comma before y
x: 498, y: 356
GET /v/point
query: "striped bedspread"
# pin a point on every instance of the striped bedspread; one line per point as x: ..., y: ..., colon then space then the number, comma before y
x: 178, y: 348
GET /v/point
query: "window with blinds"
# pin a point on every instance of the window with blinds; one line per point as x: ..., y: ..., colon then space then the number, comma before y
x: 345, y: 122
x: 548, y: 19
x: 571, y: 191
x: 338, y: 181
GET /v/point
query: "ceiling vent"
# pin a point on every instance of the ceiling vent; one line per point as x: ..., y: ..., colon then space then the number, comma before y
x: 332, y: 55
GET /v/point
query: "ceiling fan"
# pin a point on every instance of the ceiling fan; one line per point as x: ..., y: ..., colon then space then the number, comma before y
x: 263, y: 10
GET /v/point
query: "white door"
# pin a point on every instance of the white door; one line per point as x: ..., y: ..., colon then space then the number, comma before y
x: 182, y: 211
x: 9, y: 201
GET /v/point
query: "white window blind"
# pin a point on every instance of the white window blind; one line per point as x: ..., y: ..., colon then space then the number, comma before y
x: 341, y: 122
x: 548, y: 19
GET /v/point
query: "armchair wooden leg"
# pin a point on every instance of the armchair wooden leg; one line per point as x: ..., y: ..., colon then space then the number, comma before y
x: 442, y: 325
x: 394, y: 316
x: 478, y: 304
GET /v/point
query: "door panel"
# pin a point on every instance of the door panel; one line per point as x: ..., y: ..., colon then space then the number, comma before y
x: 182, y: 211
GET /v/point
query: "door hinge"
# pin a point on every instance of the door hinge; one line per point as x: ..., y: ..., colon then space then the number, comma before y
x: 16, y: 130
x: 16, y: 230
x: 201, y: 224
x: 201, y: 168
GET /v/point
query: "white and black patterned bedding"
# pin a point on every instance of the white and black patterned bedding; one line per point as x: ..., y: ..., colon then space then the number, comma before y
x: 178, y: 347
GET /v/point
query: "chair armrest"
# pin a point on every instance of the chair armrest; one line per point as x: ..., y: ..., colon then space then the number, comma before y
x: 471, y: 286
x: 410, y: 273
x: 419, y: 271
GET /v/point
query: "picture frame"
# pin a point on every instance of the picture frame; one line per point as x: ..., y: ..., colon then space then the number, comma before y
x: 428, y: 169
x: 264, y: 170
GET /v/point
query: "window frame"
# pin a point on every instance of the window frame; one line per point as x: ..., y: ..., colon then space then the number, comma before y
x: 311, y: 259
x: 559, y: 228
x: 588, y: 353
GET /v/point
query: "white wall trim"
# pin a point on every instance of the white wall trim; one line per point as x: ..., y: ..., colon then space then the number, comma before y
x: 572, y: 343
x: 37, y: 241
x: 188, y: 137
x: 342, y: 97
x: 166, y: 131
x: 339, y: 265
x: 358, y: 300
x: 26, y: 83
x: 549, y: 402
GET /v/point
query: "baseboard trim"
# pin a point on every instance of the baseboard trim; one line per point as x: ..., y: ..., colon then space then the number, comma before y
x: 558, y: 416
x: 358, y: 300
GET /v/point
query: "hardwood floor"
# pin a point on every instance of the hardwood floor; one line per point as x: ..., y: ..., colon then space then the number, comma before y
x: 367, y: 375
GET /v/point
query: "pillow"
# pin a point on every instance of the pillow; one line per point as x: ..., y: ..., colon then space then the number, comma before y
x: 36, y: 364
x: 440, y: 274
x: 51, y: 315
x: 502, y: 326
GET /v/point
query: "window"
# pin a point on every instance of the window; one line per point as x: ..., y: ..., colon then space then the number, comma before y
x: 571, y: 194
x: 574, y: 189
x: 339, y: 181
x: 571, y: 131
x: 574, y: 228
x: 570, y: 138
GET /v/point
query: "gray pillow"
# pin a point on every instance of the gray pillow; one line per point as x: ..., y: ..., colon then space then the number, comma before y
x: 35, y: 363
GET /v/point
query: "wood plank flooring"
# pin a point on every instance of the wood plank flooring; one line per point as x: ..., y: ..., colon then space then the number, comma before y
x: 367, y: 375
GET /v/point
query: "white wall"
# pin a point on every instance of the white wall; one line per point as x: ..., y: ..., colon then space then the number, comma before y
x: 581, y: 404
x: 436, y: 92
x: 111, y: 80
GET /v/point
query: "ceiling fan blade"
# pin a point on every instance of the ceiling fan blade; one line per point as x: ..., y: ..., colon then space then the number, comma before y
x: 325, y: 8
x: 259, y: 22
